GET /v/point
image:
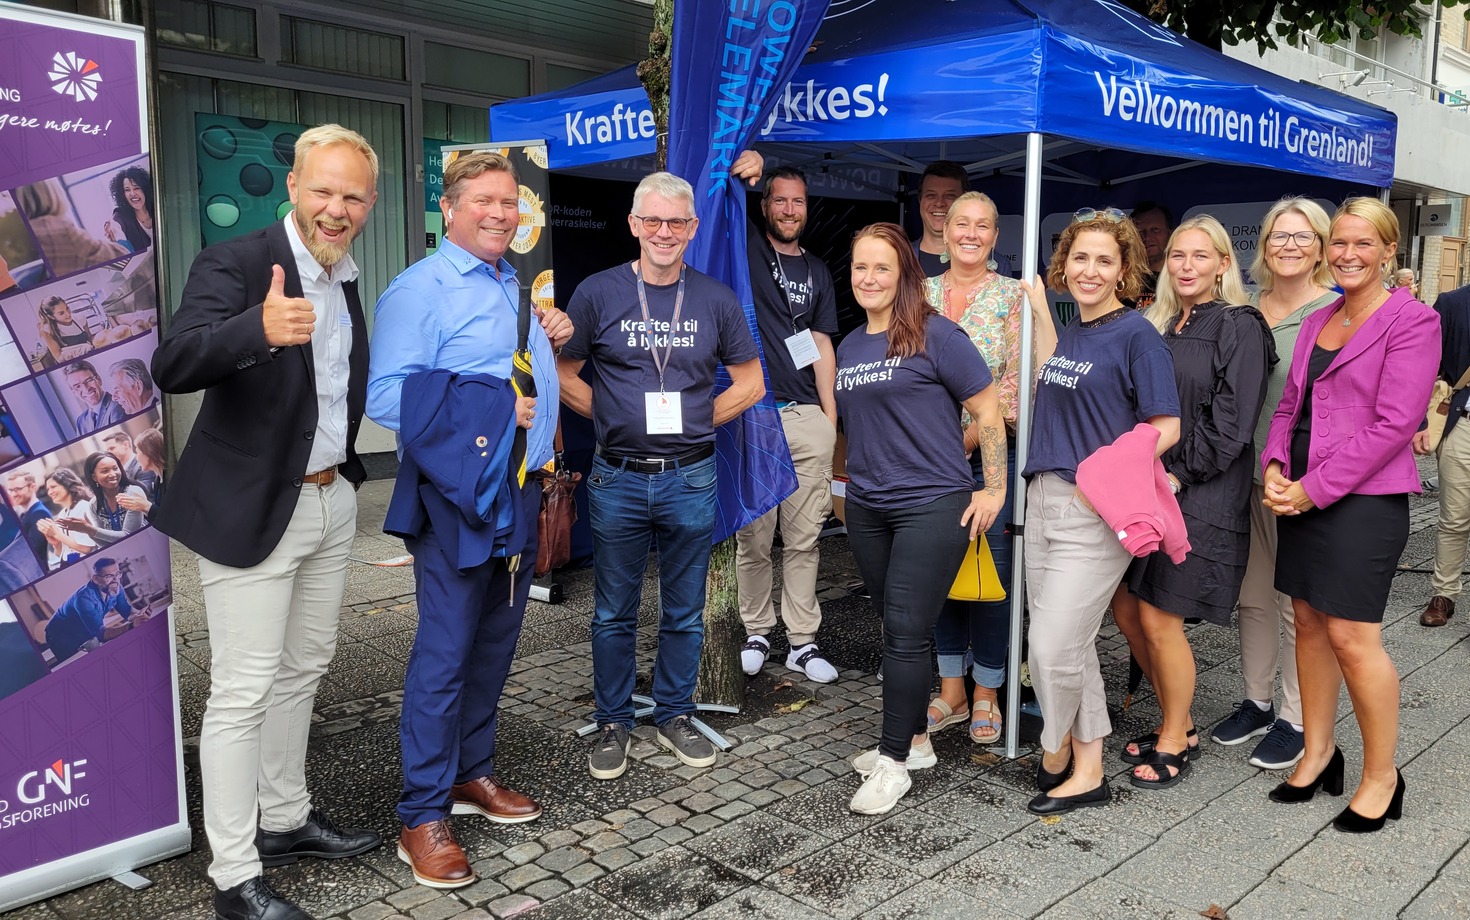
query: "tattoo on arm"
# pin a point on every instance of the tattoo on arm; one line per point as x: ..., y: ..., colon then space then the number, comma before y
x: 993, y: 455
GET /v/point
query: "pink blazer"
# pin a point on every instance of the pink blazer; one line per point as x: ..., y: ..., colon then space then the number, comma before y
x: 1366, y: 406
x: 1126, y: 485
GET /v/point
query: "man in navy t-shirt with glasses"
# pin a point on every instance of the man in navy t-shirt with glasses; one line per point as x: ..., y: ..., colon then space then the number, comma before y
x: 652, y: 334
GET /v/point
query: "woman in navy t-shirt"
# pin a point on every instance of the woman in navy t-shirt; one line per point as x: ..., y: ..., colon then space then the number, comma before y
x: 1111, y: 370
x: 912, y: 506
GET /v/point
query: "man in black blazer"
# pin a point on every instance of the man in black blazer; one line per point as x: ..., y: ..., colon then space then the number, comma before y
x: 1453, y: 532
x: 270, y: 328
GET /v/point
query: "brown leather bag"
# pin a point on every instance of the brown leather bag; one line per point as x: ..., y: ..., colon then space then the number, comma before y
x: 558, y: 514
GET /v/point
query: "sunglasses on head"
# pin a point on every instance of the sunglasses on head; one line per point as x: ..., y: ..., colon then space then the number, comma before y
x: 1085, y: 215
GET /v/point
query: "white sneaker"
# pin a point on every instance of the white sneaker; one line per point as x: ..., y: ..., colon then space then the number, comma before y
x: 809, y: 660
x: 882, y: 788
x: 921, y: 757
x: 754, y: 654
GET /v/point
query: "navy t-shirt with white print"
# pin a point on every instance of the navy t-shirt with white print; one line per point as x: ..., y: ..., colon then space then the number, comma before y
x: 609, y: 334
x: 1099, y: 384
x: 905, y: 447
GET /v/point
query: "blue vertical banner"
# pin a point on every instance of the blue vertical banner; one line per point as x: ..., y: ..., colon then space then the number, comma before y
x: 730, y: 62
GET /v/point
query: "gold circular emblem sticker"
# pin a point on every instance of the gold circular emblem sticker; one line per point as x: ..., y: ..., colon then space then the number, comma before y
x: 537, y: 155
x: 542, y: 294
x: 533, y: 219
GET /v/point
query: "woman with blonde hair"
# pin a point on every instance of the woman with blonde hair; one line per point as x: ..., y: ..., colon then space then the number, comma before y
x: 988, y: 306
x: 1222, y: 352
x: 1338, y: 478
x: 1294, y: 281
x: 1110, y: 371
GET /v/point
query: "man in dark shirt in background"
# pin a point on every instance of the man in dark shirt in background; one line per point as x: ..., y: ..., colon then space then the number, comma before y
x: 1154, y: 223
x: 1453, y: 530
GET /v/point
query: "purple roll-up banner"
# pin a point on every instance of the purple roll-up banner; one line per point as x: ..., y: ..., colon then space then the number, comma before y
x: 91, y: 756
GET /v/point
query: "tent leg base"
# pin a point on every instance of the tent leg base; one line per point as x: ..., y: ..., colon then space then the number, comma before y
x: 132, y: 881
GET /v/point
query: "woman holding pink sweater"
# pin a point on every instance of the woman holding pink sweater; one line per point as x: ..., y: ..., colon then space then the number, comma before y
x: 1338, y: 470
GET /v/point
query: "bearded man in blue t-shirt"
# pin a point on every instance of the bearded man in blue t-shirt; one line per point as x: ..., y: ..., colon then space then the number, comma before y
x: 652, y: 334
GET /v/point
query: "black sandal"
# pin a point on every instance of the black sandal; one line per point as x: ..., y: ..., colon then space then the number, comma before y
x: 1146, y: 745
x: 1159, y: 761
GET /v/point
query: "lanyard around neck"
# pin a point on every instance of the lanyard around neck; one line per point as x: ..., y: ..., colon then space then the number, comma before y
x: 660, y: 362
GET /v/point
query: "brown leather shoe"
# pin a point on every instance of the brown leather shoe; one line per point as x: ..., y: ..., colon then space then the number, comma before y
x: 1438, y: 612
x: 487, y: 798
x: 435, y: 856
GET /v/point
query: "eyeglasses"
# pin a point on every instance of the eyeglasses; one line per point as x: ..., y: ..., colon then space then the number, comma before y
x: 1111, y: 215
x: 677, y: 225
x: 1303, y: 239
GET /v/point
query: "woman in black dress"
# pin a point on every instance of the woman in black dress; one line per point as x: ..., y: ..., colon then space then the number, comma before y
x: 1338, y: 470
x: 1222, y: 353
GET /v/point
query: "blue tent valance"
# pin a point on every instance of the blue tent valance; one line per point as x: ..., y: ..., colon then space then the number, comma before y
x: 1091, y: 71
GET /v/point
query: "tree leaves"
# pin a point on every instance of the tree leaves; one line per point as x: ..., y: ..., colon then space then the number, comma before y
x: 1264, y: 21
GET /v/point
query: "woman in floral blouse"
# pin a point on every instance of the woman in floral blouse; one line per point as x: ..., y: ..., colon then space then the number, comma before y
x: 988, y: 307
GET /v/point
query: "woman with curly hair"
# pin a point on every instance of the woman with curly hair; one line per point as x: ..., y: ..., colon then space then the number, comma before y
x: 132, y: 192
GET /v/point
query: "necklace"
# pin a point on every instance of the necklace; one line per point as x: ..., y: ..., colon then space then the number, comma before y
x: 1347, y: 320
x: 1110, y: 316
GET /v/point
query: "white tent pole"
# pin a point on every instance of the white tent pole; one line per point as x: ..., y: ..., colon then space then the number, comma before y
x: 1030, y: 258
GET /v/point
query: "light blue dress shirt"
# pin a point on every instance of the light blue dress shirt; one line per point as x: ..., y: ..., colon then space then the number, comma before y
x: 450, y: 311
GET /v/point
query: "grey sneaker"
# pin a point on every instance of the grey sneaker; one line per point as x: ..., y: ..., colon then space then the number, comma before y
x: 609, y: 755
x: 1248, y: 722
x: 680, y: 736
x: 1282, y: 747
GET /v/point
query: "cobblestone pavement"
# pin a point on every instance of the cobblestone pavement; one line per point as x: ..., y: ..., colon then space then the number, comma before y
x: 766, y: 833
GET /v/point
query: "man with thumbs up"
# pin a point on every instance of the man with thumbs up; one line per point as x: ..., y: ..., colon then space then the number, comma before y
x: 270, y: 328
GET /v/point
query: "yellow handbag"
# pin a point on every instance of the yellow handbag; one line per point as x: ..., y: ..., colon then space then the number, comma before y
x: 977, y: 579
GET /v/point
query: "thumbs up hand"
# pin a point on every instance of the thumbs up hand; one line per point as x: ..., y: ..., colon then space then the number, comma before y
x: 287, y: 320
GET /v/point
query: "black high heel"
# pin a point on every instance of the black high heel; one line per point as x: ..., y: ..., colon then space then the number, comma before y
x: 1350, y: 822
x: 1329, y: 781
x: 1046, y: 780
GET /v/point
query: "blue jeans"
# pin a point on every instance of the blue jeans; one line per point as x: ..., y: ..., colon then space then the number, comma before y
x: 981, y: 632
x: 631, y: 513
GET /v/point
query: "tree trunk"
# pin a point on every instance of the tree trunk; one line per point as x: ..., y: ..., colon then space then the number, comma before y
x: 720, y: 678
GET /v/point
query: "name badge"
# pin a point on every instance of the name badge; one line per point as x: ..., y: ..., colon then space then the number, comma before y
x: 803, y: 348
x: 665, y: 416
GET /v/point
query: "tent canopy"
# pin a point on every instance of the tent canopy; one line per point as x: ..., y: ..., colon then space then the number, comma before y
x: 949, y: 74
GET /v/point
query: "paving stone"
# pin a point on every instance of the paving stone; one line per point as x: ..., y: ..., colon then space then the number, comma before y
x: 763, y: 797
x: 580, y: 904
x: 523, y: 853
x: 373, y: 912
x: 605, y: 840
x: 648, y: 846
x: 1282, y: 899
x: 1106, y: 900
x: 919, y: 842
x: 583, y: 874
x: 842, y: 881
x: 550, y: 888
x: 441, y: 908
x: 1369, y: 873
x: 487, y: 889
x: 758, y: 844
x: 760, y: 904
x: 413, y: 897
x: 672, y: 835
x: 511, y: 905
x: 668, y: 815
x: 670, y: 885
x: 638, y: 829
x: 930, y: 900
x: 563, y: 858
x: 522, y: 876
x: 703, y: 801
x: 472, y: 914
x: 616, y: 858
x: 1182, y: 871
x: 726, y: 812
x: 561, y: 838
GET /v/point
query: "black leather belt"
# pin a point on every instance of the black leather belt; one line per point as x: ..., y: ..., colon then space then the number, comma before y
x: 656, y: 464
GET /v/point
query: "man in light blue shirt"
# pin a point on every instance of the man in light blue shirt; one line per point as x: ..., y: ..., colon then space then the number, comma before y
x: 456, y: 310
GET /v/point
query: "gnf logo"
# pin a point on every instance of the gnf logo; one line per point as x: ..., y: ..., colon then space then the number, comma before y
x: 75, y: 76
x: 33, y: 787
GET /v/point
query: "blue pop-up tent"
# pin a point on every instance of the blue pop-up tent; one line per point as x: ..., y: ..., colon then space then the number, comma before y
x: 1079, y: 92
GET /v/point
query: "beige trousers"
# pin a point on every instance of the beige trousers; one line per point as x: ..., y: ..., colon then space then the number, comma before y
x: 1265, y: 614
x: 1453, y: 531
x: 272, y: 632
x: 812, y: 440
x: 1073, y: 565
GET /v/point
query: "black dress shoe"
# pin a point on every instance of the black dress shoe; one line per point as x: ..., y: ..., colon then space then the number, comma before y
x: 1061, y: 804
x: 1046, y: 780
x: 318, y: 837
x: 254, y: 900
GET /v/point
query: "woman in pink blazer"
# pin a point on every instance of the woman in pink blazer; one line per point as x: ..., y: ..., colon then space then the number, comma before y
x: 1338, y: 470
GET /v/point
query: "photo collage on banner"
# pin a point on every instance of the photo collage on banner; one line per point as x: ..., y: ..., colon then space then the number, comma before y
x: 80, y: 325
x: 91, y: 757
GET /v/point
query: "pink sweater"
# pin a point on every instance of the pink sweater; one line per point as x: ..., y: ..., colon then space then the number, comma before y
x: 1125, y: 483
